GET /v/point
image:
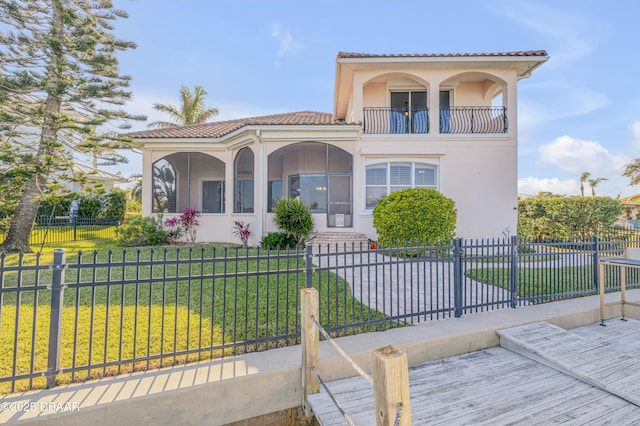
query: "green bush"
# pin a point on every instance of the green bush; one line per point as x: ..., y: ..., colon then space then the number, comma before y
x: 115, y: 204
x: 543, y: 218
x: 293, y: 217
x: 62, y: 205
x: 89, y: 206
x: 142, y: 231
x: 281, y: 240
x: 417, y: 214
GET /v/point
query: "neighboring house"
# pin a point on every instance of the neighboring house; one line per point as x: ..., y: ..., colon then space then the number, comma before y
x: 94, y: 177
x: 443, y: 121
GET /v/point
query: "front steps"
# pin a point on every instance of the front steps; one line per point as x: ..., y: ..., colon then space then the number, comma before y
x: 588, y: 360
x: 339, y: 241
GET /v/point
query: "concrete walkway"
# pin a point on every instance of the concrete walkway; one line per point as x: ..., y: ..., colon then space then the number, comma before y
x: 421, y: 287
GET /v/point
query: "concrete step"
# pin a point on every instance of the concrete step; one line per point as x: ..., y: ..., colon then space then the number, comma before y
x: 340, y: 241
x: 594, y: 363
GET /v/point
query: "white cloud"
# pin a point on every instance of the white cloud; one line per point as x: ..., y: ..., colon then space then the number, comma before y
x: 284, y: 37
x: 533, y: 185
x: 575, y: 156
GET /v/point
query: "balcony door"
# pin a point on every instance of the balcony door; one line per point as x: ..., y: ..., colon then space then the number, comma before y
x: 406, y: 110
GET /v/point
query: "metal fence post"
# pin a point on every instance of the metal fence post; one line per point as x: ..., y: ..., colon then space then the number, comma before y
x: 514, y: 270
x: 55, y: 319
x: 596, y: 260
x: 308, y: 265
x: 457, y: 277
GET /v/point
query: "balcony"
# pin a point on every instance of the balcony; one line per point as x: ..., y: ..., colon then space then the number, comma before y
x: 381, y: 121
x: 473, y: 120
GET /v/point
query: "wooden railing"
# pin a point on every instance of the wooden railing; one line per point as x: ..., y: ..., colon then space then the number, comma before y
x: 389, y: 364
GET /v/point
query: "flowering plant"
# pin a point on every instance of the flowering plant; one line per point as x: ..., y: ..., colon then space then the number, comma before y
x: 175, y: 232
x: 189, y: 223
x: 242, y: 231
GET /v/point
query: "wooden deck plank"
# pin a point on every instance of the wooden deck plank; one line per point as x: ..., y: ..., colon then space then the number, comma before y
x: 497, y: 386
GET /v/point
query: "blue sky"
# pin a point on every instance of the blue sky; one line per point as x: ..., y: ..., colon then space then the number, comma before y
x: 579, y: 112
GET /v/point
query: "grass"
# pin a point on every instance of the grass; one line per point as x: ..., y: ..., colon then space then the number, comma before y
x: 204, y: 302
x: 538, y: 284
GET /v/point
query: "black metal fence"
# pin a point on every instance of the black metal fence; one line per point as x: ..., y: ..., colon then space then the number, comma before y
x: 63, y: 229
x: 107, y: 313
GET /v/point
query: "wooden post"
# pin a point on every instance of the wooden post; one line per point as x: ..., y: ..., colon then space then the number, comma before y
x: 310, y: 345
x: 602, y: 266
x: 391, y: 385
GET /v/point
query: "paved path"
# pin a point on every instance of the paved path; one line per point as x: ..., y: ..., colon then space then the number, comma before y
x: 397, y: 286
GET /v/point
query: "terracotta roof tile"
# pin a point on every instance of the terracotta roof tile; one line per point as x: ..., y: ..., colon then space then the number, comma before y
x: 441, y: 55
x: 221, y: 128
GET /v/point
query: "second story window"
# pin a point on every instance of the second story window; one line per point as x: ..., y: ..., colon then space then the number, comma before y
x: 408, y: 112
x: 406, y: 101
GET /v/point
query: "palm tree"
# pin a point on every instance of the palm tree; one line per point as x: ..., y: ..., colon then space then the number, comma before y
x: 191, y: 111
x: 583, y: 178
x: 595, y: 182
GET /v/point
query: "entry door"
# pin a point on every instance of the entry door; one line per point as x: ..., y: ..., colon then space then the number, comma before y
x: 340, y: 209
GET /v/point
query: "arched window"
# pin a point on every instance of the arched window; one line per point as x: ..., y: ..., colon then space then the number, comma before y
x: 385, y: 178
x: 244, y: 182
x: 164, y: 187
x: 188, y: 179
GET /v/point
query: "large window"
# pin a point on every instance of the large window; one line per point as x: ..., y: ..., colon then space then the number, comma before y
x: 318, y: 174
x: 311, y: 189
x: 385, y: 178
x: 188, y: 179
x: 243, y: 194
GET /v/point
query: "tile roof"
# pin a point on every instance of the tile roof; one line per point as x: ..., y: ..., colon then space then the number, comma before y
x: 221, y: 128
x: 441, y: 55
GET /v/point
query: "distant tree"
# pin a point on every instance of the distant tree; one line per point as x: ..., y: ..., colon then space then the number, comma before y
x: 58, y: 77
x: 136, y: 187
x: 595, y: 182
x: 103, y: 148
x: 192, y: 109
x: 632, y: 171
x: 583, y: 178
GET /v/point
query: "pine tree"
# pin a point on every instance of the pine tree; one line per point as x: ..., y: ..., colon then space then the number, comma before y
x: 59, y: 79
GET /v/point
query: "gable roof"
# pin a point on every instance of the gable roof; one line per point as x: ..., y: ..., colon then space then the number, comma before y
x: 219, y: 129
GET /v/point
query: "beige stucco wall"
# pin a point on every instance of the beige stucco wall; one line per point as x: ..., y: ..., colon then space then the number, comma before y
x: 479, y: 171
x: 480, y: 175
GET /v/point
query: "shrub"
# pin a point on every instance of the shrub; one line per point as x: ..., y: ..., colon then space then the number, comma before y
x: 294, y: 218
x: 142, y: 231
x: 90, y: 206
x: 242, y: 231
x: 543, y: 218
x: 115, y: 204
x: 274, y: 240
x: 417, y: 214
x: 189, y: 223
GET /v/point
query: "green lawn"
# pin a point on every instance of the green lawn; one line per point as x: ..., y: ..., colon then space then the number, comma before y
x: 181, y: 306
x: 539, y: 284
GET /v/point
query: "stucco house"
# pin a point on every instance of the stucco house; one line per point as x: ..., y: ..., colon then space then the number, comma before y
x: 443, y: 121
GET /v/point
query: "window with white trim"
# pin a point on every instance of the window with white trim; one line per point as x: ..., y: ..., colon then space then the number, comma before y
x: 384, y: 178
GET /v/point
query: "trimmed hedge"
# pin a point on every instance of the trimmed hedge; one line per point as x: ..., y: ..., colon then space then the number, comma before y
x: 544, y: 218
x: 416, y: 214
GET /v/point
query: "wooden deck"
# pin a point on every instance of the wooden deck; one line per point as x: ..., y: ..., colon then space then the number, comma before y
x: 589, y: 375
